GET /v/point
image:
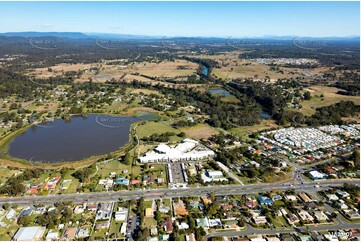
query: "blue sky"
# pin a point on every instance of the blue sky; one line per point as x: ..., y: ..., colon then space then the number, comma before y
x: 221, y: 19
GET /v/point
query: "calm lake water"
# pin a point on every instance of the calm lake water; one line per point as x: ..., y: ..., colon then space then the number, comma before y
x: 220, y: 92
x: 205, y: 70
x: 78, y: 139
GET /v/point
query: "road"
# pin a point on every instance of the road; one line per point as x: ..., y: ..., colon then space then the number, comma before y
x: 169, y: 192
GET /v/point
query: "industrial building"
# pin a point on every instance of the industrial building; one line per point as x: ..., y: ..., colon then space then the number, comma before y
x: 187, y: 150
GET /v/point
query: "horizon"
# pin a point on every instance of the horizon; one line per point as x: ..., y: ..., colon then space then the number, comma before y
x: 96, y: 34
x: 186, y: 19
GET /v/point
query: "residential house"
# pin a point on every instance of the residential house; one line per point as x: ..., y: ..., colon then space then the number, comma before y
x: 263, y: 200
x: 168, y: 225
x: 70, y: 233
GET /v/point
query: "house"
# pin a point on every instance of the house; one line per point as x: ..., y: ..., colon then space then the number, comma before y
x: 79, y: 209
x: 251, y: 202
x: 164, y: 237
x: 52, y: 235
x: 148, y: 179
x: 209, y: 176
x: 104, y: 211
x: 292, y: 198
x: 121, y: 214
x: 214, y: 222
x: 82, y: 233
x: 206, y: 200
x: 26, y: 211
x: 149, y: 212
x: 305, y: 216
x: 33, y: 190
x: 180, y: 209
x: 202, y: 222
x: 214, y: 174
x: 106, y: 182
x: 50, y: 185
x: 168, y: 225
x: 316, y: 175
x: 123, y: 229
x: 332, y: 197
x: 11, y: 214
x: 190, y: 237
x: 65, y: 184
x: 276, y: 197
x: 182, y: 225
x: 70, y: 233
x: 135, y: 182
x: 29, y: 233
x: 92, y: 207
x: 320, y: 215
x: 351, y: 213
x: 230, y: 223
x: 304, y: 197
x: 343, y: 194
x: 263, y: 200
x: 153, y: 231
x: 292, y: 218
x: 259, y: 220
x: 122, y: 181
x: 163, y: 209
x: 102, y: 225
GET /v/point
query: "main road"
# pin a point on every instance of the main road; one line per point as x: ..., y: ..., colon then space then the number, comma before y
x: 179, y: 192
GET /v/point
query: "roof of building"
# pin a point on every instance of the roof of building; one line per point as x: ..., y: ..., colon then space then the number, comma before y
x: 29, y: 233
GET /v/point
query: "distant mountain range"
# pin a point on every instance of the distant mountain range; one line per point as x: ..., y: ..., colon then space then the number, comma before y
x: 80, y: 35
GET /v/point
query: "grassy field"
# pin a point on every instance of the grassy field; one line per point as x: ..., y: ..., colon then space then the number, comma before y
x: 144, y: 91
x: 199, y: 131
x: 112, y: 166
x: 109, y: 71
x: 243, y: 131
x: 167, y: 68
x: 230, y: 99
x: 154, y: 128
x: 330, y: 97
x: 6, y: 173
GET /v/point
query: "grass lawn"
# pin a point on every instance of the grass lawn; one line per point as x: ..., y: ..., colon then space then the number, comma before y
x: 100, y: 234
x: 199, y: 131
x: 330, y: 97
x: 148, y: 203
x: 150, y: 222
x: 115, y: 228
x: 166, y: 202
x: 154, y: 128
x: 73, y: 185
x: 136, y: 170
x: 279, y: 221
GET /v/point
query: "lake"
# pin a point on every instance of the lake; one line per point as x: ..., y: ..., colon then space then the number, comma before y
x: 265, y: 115
x: 205, y: 70
x: 221, y: 92
x: 76, y: 139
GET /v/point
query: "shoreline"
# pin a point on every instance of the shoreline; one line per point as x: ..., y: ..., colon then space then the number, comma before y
x: 7, y: 160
